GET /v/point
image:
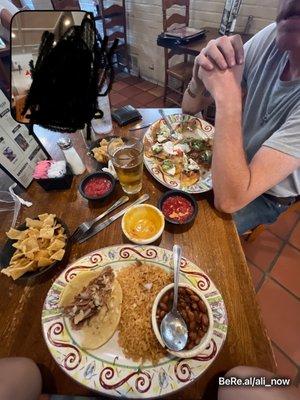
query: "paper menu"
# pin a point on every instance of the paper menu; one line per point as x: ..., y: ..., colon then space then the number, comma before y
x: 19, y: 151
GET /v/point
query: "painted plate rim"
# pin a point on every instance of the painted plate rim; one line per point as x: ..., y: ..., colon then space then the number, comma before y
x: 182, y: 369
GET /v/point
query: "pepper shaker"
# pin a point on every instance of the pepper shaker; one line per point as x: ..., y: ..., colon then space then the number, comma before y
x: 71, y: 156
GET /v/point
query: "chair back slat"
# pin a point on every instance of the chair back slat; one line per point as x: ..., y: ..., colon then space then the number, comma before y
x: 113, y: 10
x: 170, y: 3
x: 176, y: 19
x: 116, y: 21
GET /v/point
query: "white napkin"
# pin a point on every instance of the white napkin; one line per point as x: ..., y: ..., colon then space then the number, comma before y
x: 57, y: 169
x: 111, y: 169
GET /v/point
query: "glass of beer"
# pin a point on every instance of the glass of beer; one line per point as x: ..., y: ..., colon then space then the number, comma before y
x: 127, y: 158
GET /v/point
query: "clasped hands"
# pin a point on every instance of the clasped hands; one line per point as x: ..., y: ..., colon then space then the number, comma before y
x: 220, y: 66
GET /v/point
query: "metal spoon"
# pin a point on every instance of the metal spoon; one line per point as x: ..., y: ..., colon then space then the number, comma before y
x: 173, y: 328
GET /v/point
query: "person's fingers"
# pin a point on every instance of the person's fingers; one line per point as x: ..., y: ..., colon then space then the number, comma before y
x: 215, y: 55
x: 196, y: 67
x: 238, y: 46
x: 204, y: 62
x: 226, y: 48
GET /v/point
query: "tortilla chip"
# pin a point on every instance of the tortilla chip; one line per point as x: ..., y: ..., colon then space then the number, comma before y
x: 42, y: 254
x: 14, y: 234
x: 46, y: 233
x: 189, y: 178
x: 49, y: 221
x: 31, y: 244
x: 33, y: 232
x: 44, y: 262
x: 56, y: 245
x: 43, y: 243
x: 35, y: 245
x: 17, y: 254
x: 58, y: 255
x: 33, y: 223
x: 18, y: 245
x: 42, y: 217
x: 16, y: 272
x: 30, y: 255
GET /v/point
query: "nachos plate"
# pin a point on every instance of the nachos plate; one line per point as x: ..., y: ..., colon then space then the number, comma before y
x: 180, y: 159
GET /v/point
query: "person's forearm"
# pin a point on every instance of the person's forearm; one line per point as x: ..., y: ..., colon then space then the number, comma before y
x: 195, y: 98
x: 230, y: 169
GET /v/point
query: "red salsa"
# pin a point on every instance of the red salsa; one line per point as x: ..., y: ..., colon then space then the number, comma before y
x: 177, y: 208
x: 97, y: 187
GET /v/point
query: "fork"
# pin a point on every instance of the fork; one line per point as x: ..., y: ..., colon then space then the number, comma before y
x: 87, y: 225
x: 167, y: 121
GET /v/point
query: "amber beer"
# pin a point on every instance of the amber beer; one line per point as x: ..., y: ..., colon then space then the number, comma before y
x: 128, y: 162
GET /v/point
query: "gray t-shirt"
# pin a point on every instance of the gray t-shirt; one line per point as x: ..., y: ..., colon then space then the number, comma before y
x: 272, y: 107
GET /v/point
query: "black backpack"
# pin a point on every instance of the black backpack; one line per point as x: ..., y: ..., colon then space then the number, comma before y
x: 68, y: 77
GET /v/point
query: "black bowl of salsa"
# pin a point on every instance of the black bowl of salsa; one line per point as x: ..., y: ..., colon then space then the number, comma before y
x: 97, y: 185
x: 178, y: 207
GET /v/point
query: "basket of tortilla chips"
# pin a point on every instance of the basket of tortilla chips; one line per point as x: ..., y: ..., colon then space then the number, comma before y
x: 34, y: 247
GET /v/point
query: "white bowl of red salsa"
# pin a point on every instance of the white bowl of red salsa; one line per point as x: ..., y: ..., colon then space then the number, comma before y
x: 178, y: 207
x: 97, y: 185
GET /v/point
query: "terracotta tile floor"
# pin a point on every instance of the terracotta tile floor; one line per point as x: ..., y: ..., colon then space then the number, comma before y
x: 274, y: 261
x: 136, y: 92
x: 273, y: 258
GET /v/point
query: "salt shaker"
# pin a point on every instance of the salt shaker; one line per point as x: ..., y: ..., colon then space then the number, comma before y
x: 71, y: 156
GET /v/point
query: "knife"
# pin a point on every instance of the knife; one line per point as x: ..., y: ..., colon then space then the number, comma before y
x: 111, y: 219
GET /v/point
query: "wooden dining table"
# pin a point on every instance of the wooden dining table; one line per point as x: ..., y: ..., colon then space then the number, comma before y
x: 212, y: 243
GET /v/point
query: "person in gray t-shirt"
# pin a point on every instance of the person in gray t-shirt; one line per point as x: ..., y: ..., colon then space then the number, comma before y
x: 256, y: 153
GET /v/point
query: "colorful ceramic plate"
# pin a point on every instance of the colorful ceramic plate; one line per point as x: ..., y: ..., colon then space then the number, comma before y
x: 106, y: 370
x: 204, y: 130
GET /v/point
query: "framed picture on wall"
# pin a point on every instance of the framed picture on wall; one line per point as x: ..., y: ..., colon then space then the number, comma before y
x: 20, y: 149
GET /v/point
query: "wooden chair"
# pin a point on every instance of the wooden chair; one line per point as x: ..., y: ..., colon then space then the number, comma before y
x: 182, y: 72
x: 66, y: 5
x: 114, y: 26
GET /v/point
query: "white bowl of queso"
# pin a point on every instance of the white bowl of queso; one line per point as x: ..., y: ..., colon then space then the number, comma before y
x: 143, y: 224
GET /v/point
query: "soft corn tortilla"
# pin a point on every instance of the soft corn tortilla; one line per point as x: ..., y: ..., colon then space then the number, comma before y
x: 102, y: 326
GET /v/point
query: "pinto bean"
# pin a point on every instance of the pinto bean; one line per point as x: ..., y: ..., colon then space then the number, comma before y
x: 163, y: 306
x: 191, y: 316
x: 183, y: 313
x: 202, y: 306
x: 165, y: 298
x: 192, y: 325
x: 204, y: 319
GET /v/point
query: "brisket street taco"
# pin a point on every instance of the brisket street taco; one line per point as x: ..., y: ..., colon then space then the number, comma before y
x: 92, y: 303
